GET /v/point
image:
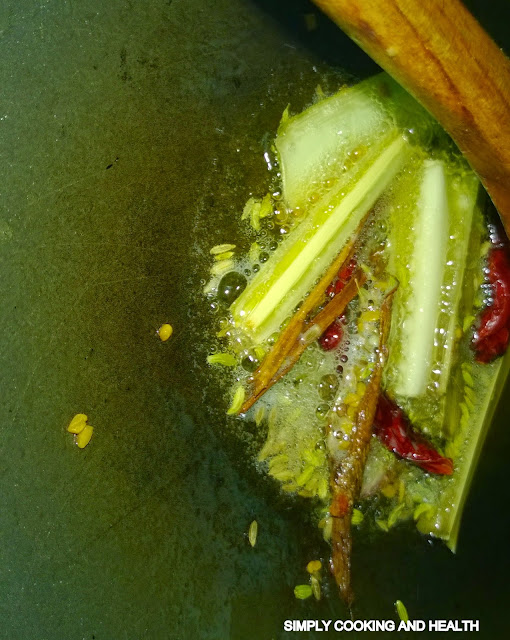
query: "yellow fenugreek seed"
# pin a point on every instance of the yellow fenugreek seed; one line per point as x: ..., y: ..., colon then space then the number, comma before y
x: 323, y: 489
x: 370, y: 316
x: 237, y: 401
x: 402, y: 611
x: 395, y: 515
x: 252, y: 533
x: 389, y: 490
x: 302, y: 591
x: 165, y: 331
x: 278, y: 460
x: 226, y: 359
x: 223, y: 256
x: 327, y: 529
x: 221, y: 248
x: 351, y: 412
x: 382, y: 525
x: 314, y: 566
x: 78, y: 423
x: 282, y: 476
x: 468, y: 378
x: 259, y: 415
x: 316, y: 587
x: 312, y: 457
x: 221, y: 267
x: 305, y: 475
x: 83, y: 438
x: 351, y: 398
x: 357, y: 517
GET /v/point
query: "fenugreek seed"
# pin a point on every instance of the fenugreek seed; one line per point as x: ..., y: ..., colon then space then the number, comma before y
x: 357, y: 517
x: 312, y: 457
x: 313, y: 484
x: 303, y: 591
x: 328, y: 528
x: 305, y: 475
x: 389, y: 490
x: 259, y: 415
x: 78, y: 423
x: 421, y: 509
x: 279, y: 460
x: 266, y: 206
x: 282, y: 476
x: 252, y: 533
x: 221, y: 248
x: 468, y: 378
x: 248, y: 207
x: 254, y: 252
x: 226, y: 359
x: 370, y: 316
x: 323, y: 489
x: 395, y: 515
x: 316, y: 587
x: 237, y: 401
x: 314, y: 566
x: 289, y: 488
x: 165, y: 331
x: 83, y: 438
x: 351, y: 399
x: 223, y: 256
x: 221, y: 267
x: 382, y: 525
x: 401, y: 611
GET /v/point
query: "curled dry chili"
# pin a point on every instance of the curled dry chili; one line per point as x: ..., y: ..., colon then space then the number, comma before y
x: 492, y: 334
x: 394, y: 430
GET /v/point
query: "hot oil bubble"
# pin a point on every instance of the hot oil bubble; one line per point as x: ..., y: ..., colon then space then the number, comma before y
x: 328, y: 386
x: 250, y: 362
x: 231, y: 286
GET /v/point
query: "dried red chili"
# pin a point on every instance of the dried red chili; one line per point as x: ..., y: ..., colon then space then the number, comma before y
x: 492, y: 336
x: 332, y: 337
x: 394, y: 430
x: 343, y: 276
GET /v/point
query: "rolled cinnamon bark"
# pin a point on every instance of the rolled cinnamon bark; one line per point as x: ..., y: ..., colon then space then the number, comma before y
x: 443, y: 57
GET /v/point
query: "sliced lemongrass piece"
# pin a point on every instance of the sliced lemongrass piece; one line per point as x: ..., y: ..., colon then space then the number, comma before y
x: 417, y: 330
x: 298, y: 262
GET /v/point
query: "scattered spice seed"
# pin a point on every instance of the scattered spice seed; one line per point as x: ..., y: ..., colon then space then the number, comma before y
x: 78, y: 423
x: 357, y: 517
x: 303, y: 591
x: 226, y: 359
x: 252, y: 533
x: 83, y: 438
x: 314, y: 566
x: 316, y: 587
x: 165, y: 331
x: 402, y: 611
x: 237, y: 401
x: 221, y: 248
